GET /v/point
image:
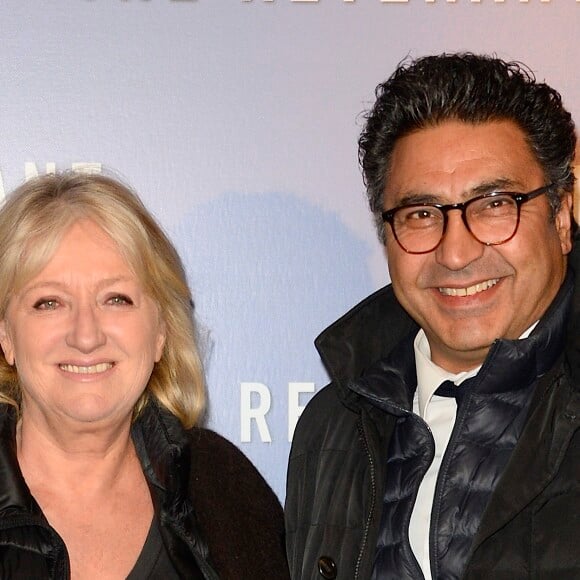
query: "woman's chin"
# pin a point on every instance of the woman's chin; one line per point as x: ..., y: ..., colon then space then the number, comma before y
x: 93, y: 410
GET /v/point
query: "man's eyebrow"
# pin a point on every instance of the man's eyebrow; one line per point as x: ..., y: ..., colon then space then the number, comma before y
x: 500, y: 184
x: 411, y: 198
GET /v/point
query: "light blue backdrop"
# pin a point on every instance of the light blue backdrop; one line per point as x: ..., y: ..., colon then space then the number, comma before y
x: 237, y: 122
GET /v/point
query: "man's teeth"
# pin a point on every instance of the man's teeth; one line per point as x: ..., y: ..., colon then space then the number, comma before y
x: 92, y: 369
x: 470, y: 290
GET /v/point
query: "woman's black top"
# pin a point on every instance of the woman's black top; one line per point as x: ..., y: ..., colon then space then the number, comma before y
x: 154, y: 562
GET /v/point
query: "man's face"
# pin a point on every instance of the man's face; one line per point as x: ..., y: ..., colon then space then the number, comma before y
x: 451, y: 163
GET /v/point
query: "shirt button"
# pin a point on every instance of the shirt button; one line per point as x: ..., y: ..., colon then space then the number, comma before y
x: 327, y: 567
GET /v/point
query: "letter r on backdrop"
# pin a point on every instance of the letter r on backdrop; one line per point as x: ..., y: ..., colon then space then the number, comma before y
x: 257, y: 413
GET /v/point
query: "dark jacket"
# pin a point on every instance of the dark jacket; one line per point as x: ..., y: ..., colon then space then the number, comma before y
x: 216, y: 513
x: 337, y: 470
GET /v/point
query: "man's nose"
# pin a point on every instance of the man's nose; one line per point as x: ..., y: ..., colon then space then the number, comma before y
x: 85, y: 332
x: 459, y: 247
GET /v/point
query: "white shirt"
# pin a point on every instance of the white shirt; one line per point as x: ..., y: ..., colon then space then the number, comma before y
x: 439, y: 414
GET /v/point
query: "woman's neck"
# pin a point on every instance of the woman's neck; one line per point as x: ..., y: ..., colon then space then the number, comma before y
x: 62, y: 457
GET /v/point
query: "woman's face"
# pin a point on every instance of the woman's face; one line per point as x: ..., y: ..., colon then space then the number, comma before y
x: 83, y: 334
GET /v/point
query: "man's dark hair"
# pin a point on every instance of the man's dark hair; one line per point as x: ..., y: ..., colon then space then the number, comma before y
x: 470, y: 88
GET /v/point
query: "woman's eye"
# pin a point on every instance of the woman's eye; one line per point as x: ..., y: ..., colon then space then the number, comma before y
x: 45, y: 304
x: 120, y: 300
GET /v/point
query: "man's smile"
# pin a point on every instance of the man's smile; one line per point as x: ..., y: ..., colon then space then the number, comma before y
x: 470, y: 290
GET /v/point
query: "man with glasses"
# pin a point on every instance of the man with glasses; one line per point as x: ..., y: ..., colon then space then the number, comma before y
x: 448, y: 443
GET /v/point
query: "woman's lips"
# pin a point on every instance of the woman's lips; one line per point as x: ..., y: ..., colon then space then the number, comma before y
x: 86, y: 370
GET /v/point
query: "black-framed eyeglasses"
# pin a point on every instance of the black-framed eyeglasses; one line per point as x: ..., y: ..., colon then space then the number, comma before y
x: 492, y: 219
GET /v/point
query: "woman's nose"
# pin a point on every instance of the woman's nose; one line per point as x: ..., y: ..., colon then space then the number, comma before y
x: 85, y: 333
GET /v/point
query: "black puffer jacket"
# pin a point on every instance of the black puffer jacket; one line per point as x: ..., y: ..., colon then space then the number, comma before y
x: 338, y: 465
x: 216, y: 512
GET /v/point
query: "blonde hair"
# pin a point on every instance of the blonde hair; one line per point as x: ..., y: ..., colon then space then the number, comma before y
x: 34, y: 219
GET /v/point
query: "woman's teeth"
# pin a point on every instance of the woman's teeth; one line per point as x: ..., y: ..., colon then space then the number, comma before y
x: 88, y: 370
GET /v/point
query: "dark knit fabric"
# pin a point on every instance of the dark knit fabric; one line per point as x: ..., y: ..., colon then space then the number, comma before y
x: 239, y: 516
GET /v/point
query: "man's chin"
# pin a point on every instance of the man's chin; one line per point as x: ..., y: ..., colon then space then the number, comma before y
x: 463, y: 350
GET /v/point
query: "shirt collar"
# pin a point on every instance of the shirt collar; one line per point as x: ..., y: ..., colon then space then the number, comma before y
x: 430, y: 376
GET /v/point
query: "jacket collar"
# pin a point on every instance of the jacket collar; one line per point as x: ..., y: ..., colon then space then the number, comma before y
x: 15, y: 495
x: 164, y: 448
x: 164, y: 451
x: 512, y: 362
x: 365, y: 334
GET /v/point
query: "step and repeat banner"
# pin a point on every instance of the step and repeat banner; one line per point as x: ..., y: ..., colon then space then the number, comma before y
x: 237, y: 122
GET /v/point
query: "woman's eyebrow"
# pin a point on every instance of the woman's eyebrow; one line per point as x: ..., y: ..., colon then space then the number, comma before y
x: 58, y: 284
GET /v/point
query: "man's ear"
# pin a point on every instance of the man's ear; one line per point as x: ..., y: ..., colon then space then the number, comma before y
x: 6, y: 343
x: 563, y: 222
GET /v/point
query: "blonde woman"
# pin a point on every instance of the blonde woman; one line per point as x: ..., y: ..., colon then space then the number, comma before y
x: 105, y: 473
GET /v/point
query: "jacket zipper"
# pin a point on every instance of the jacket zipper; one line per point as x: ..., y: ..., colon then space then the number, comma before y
x: 422, y: 423
x: 443, y: 469
x: 412, y: 416
x: 372, y: 467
